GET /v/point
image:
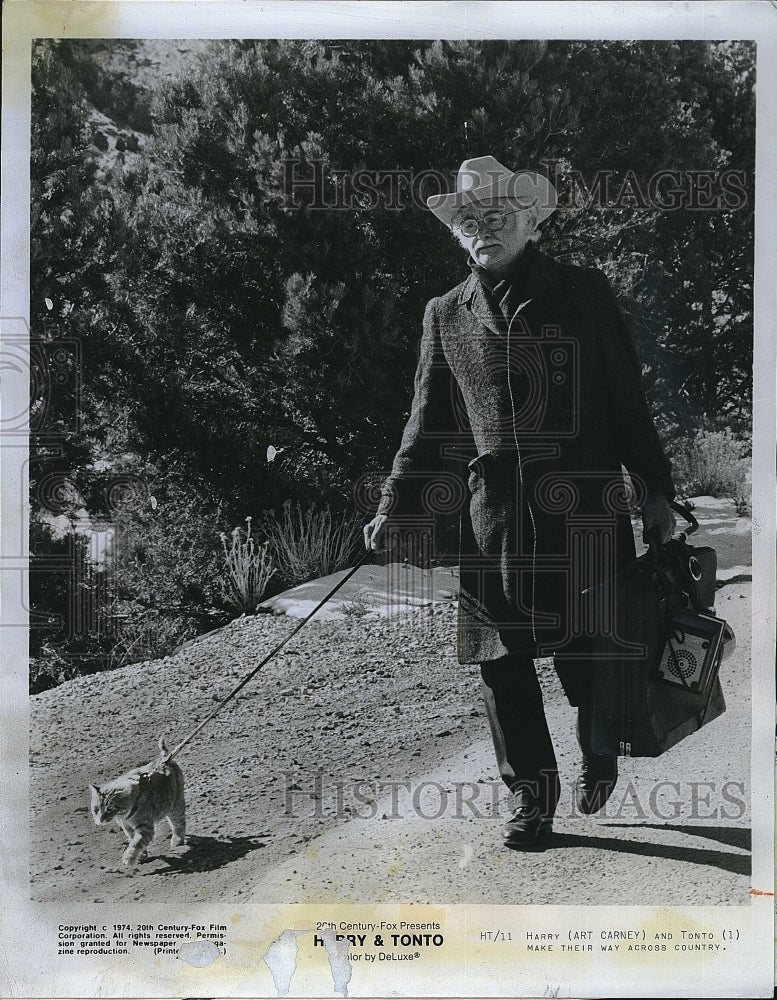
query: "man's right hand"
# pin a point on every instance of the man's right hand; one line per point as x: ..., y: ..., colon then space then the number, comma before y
x: 375, y: 534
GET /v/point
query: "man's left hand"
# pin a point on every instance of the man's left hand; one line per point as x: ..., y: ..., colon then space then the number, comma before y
x: 656, y: 513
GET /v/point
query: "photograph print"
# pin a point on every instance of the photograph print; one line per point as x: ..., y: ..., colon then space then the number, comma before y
x: 406, y: 386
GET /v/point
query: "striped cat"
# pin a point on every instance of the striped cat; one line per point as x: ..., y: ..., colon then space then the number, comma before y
x: 140, y: 799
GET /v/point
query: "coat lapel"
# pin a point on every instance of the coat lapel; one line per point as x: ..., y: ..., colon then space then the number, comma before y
x: 475, y: 299
x: 485, y: 312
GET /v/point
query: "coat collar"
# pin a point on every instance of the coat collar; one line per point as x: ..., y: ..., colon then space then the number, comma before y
x: 544, y: 272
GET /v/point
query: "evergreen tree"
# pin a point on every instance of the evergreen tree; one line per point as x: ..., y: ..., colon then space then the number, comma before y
x: 251, y: 267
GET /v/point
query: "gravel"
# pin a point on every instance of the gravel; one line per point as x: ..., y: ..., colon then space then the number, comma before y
x: 271, y: 782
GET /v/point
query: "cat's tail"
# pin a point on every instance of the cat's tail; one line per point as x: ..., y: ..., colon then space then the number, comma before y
x: 165, y: 757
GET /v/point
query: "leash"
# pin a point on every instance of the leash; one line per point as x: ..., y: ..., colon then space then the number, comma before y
x: 239, y: 687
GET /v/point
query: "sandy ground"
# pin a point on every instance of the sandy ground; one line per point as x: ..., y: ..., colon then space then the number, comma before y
x: 358, y: 766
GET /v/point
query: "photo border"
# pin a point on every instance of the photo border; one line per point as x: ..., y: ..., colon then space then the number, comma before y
x: 465, y: 968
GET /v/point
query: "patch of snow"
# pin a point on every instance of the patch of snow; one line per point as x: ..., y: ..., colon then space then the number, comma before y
x: 702, y: 502
x: 733, y: 571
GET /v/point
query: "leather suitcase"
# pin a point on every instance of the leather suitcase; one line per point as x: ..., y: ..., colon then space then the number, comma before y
x: 634, y: 710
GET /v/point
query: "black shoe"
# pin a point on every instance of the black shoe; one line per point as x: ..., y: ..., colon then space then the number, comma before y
x: 597, y: 780
x: 527, y: 827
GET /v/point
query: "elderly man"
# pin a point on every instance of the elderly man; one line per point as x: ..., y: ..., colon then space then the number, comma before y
x: 528, y: 378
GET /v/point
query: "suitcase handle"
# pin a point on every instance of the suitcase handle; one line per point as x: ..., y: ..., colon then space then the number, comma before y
x: 653, y: 537
x: 684, y: 510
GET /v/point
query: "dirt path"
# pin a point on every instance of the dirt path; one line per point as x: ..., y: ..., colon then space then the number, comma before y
x: 276, y: 811
x: 329, y: 705
x: 438, y: 842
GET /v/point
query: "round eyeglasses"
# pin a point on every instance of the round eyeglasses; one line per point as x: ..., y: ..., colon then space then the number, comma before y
x: 492, y: 221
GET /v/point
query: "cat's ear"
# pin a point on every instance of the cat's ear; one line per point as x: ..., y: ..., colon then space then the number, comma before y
x: 94, y: 789
x: 134, y: 779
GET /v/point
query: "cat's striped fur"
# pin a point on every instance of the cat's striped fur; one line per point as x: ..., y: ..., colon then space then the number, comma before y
x: 140, y: 799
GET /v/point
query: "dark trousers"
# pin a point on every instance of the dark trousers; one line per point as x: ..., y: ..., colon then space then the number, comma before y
x: 516, y: 714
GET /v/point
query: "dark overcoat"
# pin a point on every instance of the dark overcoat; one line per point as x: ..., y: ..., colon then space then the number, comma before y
x: 525, y: 426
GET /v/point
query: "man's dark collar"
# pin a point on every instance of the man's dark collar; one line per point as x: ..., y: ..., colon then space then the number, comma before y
x: 542, y: 271
x: 516, y: 274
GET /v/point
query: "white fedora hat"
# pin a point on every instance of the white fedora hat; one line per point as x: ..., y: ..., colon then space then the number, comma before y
x: 485, y: 178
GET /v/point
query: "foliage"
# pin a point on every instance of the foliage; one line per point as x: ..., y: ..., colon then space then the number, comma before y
x: 354, y: 282
x: 310, y: 542
x: 159, y: 583
x: 166, y: 551
x: 109, y: 88
x: 226, y: 308
x: 207, y: 306
x: 70, y: 630
x: 248, y: 567
x: 145, y: 633
x: 358, y: 606
x: 713, y: 463
x: 66, y: 226
x: 166, y: 566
